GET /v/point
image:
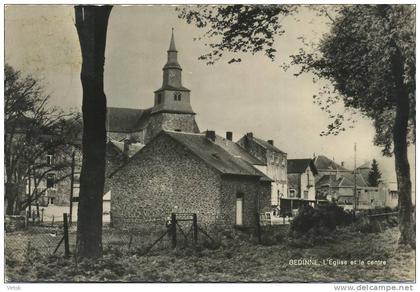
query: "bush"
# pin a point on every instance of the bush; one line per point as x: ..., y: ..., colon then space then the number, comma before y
x: 324, y: 218
x: 364, y: 224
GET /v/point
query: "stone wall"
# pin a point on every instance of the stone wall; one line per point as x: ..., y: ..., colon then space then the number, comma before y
x: 163, y: 178
x: 256, y: 197
x: 172, y: 122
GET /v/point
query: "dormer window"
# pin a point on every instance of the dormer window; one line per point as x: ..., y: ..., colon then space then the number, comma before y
x: 177, y: 96
x: 159, y: 98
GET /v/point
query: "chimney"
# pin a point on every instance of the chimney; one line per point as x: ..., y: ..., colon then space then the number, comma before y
x: 229, y: 136
x: 342, y: 163
x: 249, y: 135
x: 271, y: 142
x: 211, y: 135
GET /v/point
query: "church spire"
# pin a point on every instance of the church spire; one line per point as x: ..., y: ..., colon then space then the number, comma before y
x: 172, y: 62
x: 172, y: 47
x: 172, y: 96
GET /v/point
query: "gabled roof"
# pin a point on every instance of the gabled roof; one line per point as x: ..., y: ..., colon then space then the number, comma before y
x: 126, y: 120
x: 214, y: 155
x: 324, y: 163
x: 344, y: 179
x: 267, y: 145
x: 236, y: 150
x: 300, y: 165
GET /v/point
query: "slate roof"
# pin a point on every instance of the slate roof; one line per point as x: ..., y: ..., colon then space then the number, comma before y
x: 293, y: 181
x: 214, y: 155
x: 345, y: 179
x: 300, y: 165
x: 267, y: 145
x: 169, y: 87
x: 324, y: 163
x: 127, y: 120
x: 236, y: 150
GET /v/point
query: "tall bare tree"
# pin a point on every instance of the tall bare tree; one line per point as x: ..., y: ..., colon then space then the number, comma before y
x: 33, y: 130
x: 91, y: 24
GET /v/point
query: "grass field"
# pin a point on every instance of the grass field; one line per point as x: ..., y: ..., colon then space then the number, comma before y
x: 338, y: 259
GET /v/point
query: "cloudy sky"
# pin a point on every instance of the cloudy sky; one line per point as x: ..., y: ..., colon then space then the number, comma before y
x: 254, y: 95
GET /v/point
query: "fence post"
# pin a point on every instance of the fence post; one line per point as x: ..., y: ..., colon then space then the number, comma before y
x: 130, y: 241
x: 195, y: 231
x: 173, y: 231
x: 66, y: 235
x: 258, y: 228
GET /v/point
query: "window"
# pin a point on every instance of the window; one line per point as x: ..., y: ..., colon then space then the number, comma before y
x: 159, y: 98
x: 283, y: 162
x: 50, y: 181
x: 49, y: 159
x: 177, y: 96
x: 305, y: 194
x: 292, y: 193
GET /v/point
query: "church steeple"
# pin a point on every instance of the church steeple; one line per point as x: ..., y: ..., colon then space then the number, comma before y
x: 172, y: 96
x: 172, y: 47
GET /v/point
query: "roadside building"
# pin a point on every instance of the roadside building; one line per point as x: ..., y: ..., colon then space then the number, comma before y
x: 188, y: 173
x: 272, y: 162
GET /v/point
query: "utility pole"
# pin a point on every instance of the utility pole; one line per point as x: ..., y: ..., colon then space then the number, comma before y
x: 355, y: 197
x: 29, y: 193
x: 71, y: 186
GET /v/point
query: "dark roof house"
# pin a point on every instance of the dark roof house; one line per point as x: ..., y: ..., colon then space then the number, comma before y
x: 300, y: 166
x: 189, y: 173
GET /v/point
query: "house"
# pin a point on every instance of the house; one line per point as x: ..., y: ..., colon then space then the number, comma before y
x: 188, y: 173
x: 272, y: 162
x: 346, y: 187
x: 389, y: 192
x: 326, y: 166
x: 301, y: 178
x: 171, y: 111
x: 364, y: 171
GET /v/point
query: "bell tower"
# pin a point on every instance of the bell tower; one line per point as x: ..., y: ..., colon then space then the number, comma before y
x: 172, y: 97
x: 172, y: 108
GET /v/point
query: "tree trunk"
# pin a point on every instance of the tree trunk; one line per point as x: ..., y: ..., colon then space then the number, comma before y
x: 402, y: 169
x: 11, y: 195
x: 402, y: 166
x: 91, y: 24
x: 400, y: 131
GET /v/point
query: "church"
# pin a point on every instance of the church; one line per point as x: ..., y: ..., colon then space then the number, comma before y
x: 159, y: 162
x: 171, y: 110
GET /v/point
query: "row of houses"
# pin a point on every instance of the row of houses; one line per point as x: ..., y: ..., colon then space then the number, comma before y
x: 159, y: 162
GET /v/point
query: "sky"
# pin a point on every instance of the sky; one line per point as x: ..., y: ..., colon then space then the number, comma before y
x: 256, y: 95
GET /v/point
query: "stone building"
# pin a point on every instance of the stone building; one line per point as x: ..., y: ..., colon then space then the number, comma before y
x: 188, y: 173
x: 171, y: 111
x: 272, y: 162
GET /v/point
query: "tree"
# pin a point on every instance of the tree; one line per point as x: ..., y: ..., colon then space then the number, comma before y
x: 374, y: 174
x: 238, y: 28
x: 33, y: 130
x: 91, y: 24
x: 368, y: 60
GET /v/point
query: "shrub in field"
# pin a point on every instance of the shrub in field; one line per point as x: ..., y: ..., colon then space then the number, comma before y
x: 319, y: 220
